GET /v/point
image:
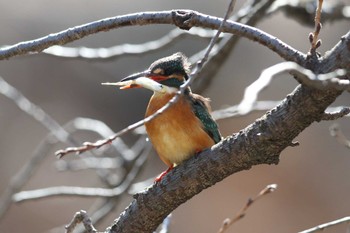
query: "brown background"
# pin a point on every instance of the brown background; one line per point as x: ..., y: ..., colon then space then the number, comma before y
x: 313, y: 178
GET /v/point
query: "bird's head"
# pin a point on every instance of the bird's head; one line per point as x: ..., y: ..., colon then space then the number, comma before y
x: 164, y: 75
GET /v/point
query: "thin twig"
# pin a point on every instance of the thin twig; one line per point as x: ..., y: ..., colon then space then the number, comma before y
x: 84, y: 191
x: 33, y: 110
x: 249, y: 15
x: 301, y: 12
x: 327, y: 225
x: 236, y: 111
x: 25, y: 173
x: 331, y: 80
x: 103, y: 130
x: 313, y: 37
x: 229, y: 10
x: 228, y: 222
x: 89, y: 145
x: 81, y: 217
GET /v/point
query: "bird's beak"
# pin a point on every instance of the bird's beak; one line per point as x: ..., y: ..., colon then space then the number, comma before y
x: 130, y: 81
x: 142, y: 79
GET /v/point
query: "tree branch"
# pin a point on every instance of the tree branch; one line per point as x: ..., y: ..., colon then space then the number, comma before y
x: 235, y: 153
x: 303, y: 11
x: 228, y: 222
x: 184, y: 19
x: 331, y: 116
x: 117, y: 51
x: 259, y: 143
x: 87, y: 192
x: 327, y: 225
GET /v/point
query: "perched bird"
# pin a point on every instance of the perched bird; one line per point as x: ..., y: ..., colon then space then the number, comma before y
x: 184, y: 129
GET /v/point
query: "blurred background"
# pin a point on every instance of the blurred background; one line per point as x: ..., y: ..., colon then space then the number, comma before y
x: 313, y: 178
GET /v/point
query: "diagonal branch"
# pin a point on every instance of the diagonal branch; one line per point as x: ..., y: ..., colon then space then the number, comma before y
x: 324, y: 226
x: 259, y: 143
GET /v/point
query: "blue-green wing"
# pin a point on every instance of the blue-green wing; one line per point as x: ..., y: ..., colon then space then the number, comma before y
x: 201, y: 110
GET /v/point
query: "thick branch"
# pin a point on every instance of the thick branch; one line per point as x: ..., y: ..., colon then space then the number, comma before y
x: 184, y: 19
x: 339, y: 56
x: 259, y: 143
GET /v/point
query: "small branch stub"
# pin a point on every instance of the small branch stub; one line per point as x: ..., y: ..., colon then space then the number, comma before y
x: 81, y: 217
x: 182, y: 19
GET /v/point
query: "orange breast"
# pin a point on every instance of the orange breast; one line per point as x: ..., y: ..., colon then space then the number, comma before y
x: 177, y: 133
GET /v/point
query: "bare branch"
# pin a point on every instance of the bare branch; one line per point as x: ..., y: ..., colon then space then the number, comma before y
x: 236, y: 111
x: 89, y: 145
x: 89, y: 163
x: 322, y: 81
x: 228, y: 222
x: 88, y: 124
x: 330, y: 116
x: 25, y: 173
x: 201, y: 63
x: 126, y: 49
x: 184, y: 19
x: 304, y: 11
x: 249, y: 14
x: 79, y: 217
x: 66, y: 191
x: 33, y: 110
x: 327, y: 225
x: 86, y: 192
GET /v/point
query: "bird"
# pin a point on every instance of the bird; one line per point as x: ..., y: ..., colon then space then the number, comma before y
x: 187, y: 127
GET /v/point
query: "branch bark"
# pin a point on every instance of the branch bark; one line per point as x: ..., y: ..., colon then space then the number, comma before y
x: 259, y: 143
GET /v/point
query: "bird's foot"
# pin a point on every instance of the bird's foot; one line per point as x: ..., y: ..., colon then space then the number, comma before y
x: 160, y: 176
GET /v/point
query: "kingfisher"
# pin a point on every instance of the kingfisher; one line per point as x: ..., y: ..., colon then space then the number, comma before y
x: 186, y: 127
